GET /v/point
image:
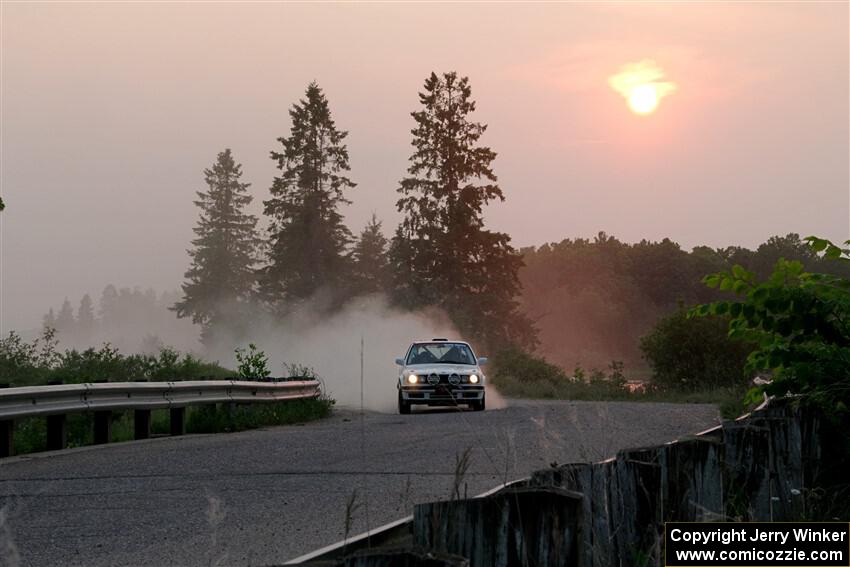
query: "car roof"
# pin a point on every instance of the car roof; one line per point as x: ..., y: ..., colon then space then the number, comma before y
x: 439, y: 341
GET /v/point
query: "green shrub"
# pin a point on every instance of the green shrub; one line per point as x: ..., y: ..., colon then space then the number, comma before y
x: 520, y: 374
x: 30, y: 435
x: 37, y: 362
x: 514, y: 364
x: 24, y: 363
x: 800, y: 324
x: 689, y: 354
x: 103, y: 364
x: 253, y: 363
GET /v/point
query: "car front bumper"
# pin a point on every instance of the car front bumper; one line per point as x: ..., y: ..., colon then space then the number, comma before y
x: 427, y: 394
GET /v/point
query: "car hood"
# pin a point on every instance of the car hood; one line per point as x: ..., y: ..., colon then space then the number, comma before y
x: 426, y: 369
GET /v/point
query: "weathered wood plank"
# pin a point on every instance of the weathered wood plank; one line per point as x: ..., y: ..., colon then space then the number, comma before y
x: 515, y: 526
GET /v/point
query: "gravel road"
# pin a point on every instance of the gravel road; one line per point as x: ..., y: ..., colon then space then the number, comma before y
x: 262, y: 497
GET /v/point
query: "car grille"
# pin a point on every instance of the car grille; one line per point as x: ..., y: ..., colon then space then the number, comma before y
x: 444, y: 379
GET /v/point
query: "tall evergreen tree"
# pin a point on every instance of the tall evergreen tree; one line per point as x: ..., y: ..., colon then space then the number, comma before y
x: 220, y: 281
x: 371, y: 269
x: 85, y: 319
x: 441, y: 253
x: 307, y: 239
x: 108, y: 298
x: 49, y: 321
x: 65, y: 322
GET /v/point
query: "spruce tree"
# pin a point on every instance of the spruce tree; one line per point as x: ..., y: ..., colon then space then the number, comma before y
x: 441, y: 253
x: 220, y: 281
x: 85, y: 320
x: 307, y: 239
x: 49, y: 320
x: 109, y: 308
x: 370, y: 266
x: 65, y: 322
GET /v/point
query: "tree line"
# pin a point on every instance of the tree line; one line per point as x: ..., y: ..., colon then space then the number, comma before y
x: 593, y: 299
x: 129, y: 319
x: 441, y: 255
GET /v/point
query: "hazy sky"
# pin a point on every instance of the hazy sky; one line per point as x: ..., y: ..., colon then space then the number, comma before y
x: 111, y: 111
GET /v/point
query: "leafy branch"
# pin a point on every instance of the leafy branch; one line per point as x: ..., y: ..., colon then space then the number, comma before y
x: 799, y: 322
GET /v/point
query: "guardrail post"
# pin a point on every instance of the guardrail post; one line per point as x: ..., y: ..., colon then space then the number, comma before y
x: 7, y: 438
x: 57, y: 432
x: 7, y: 433
x: 178, y: 421
x: 102, y: 427
x: 142, y: 423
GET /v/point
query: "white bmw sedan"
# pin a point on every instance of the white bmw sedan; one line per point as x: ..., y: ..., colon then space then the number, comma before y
x: 440, y: 372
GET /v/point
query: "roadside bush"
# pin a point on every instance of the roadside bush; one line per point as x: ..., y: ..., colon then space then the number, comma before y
x: 38, y: 362
x: 23, y: 363
x: 520, y: 374
x: 689, y: 354
x: 91, y: 365
x: 800, y: 323
x: 252, y: 363
x: 514, y: 364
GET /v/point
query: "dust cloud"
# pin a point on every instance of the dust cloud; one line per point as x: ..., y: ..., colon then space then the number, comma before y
x: 495, y: 400
x: 331, y: 345
x: 327, y: 342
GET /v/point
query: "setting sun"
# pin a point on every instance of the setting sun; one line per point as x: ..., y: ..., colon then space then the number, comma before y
x: 642, y: 86
x: 643, y: 99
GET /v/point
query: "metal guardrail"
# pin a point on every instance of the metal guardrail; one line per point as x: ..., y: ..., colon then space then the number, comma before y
x: 31, y: 401
x: 54, y: 402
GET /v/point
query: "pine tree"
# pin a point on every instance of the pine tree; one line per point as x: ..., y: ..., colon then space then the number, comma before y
x: 109, y: 308
x: 307, y: 239
x: 49, y: 321
x: 65, y: 323
x: 85, y: 320
x: 371, y: 268
x: 441, y: 253
x: 220, y: 281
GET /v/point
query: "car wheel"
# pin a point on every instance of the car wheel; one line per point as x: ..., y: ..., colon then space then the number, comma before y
x: 403, y: 407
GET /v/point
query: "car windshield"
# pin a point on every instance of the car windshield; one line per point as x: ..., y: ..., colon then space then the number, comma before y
x: 440, y: 353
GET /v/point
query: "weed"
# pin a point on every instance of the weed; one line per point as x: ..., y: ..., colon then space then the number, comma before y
x: 462, y: 464
x: 351, y: 507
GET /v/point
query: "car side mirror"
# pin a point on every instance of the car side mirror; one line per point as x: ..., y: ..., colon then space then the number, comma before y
x: 399, y: 361
x: 482, y: 360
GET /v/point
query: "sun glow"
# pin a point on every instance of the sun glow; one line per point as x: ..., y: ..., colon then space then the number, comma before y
x: 642, y: 86
x: 643, y: 99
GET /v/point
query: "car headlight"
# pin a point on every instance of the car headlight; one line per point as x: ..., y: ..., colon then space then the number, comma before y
x: 473, y: 378
x: 412, y: 379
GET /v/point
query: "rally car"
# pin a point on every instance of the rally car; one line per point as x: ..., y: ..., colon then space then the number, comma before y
x: 440, y: 372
